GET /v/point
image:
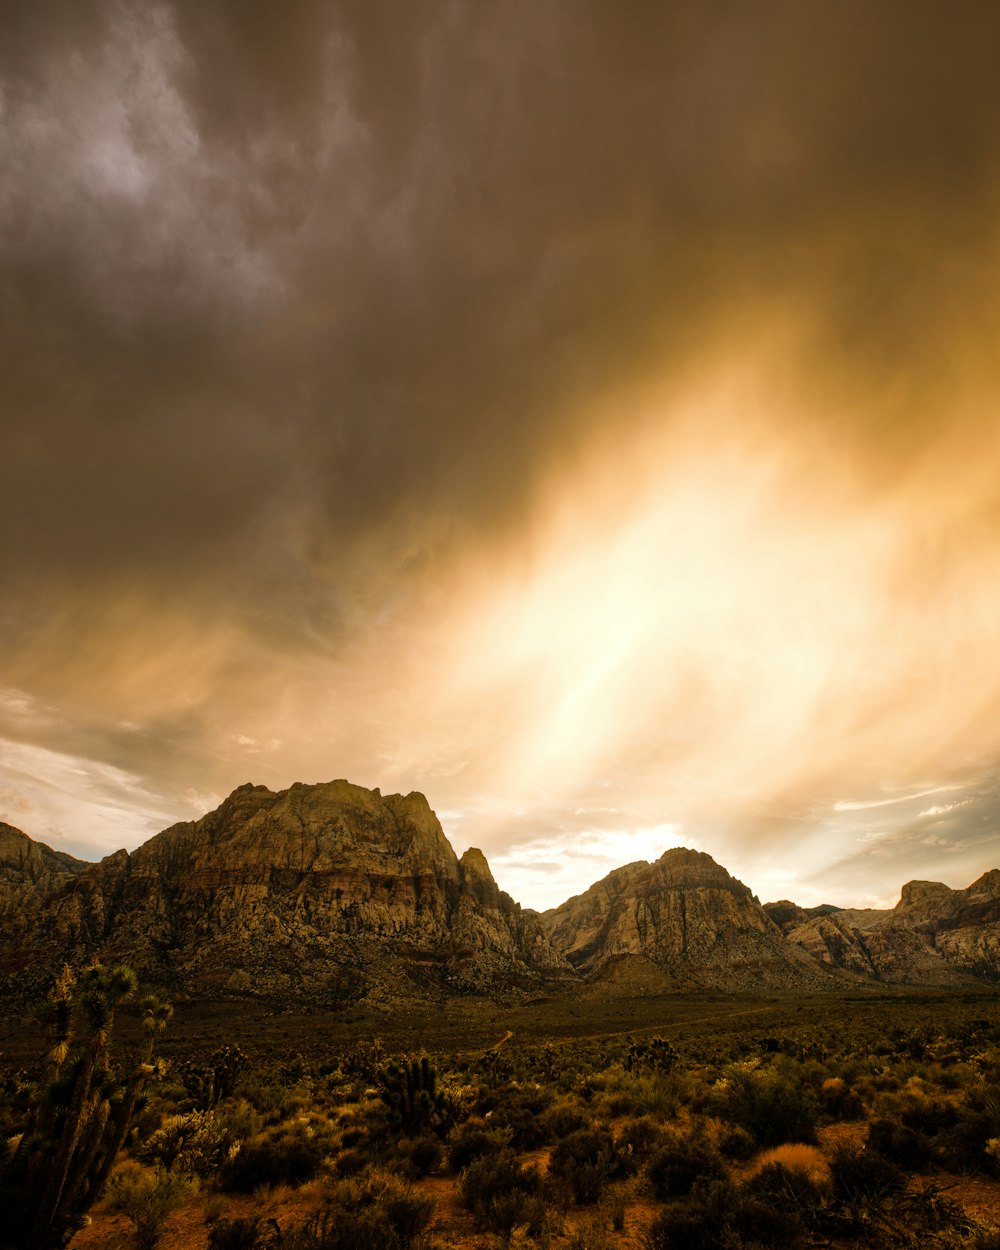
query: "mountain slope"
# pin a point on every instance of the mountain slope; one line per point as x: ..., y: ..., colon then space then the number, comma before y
x: 933, y: 936
x: 328, y: 892
x: 685, y: 914
x: 29, y: 872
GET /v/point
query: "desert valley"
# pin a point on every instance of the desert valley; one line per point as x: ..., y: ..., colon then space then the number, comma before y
x: 357, y: 1039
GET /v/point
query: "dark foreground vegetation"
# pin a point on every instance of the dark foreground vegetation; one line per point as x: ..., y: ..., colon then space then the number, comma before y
x: 678, y: 1121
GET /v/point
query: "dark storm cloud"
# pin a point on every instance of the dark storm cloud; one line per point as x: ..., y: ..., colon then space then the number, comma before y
x: 304, y: 307
x: 359, y: 258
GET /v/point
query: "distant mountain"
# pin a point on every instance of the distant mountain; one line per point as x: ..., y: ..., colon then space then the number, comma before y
x: 333, y: 894
x: 685, y: 914
x: 328, y: 893
x: 29, y: 872
x: 933, y: 936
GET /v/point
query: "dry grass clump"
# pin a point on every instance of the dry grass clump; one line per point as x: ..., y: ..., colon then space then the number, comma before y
x: 796, y: 1157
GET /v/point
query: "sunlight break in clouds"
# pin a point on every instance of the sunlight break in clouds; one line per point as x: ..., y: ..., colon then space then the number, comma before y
x: 586, y: 417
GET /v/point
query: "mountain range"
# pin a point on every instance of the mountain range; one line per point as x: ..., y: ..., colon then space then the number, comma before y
x: 333, y: 894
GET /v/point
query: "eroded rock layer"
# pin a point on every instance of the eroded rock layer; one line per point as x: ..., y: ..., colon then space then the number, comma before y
x: 933, y: 936
x: 688, y: 916
x: 329, y: 892
x: 29, y: 872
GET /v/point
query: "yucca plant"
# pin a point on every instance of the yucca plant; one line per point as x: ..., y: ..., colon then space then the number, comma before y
x: 209, y: 1083
x: 56, y: 1168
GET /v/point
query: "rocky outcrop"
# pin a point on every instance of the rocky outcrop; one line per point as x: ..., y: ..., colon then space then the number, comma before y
x: 688, y: 916
x: 29, y: 872
x: 788, y: 915
x: 328, y: 892
x: 933, y: 936
x: 334, y: 894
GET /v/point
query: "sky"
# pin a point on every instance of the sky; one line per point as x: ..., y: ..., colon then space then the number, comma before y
x: 583, y: 414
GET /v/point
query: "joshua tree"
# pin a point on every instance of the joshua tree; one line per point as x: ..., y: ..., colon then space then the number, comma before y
x: 56, y: 1168
x: 209, y: 1083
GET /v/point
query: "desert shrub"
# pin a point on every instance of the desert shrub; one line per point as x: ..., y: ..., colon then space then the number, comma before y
x: 660, y: 1095
x: 613, y: 1210
x: 240, y: 1119
x: 285, y: 1157
x: 719, y: 1214
x: 472, y: 1140
x: 250, y: 1232
x: 147, y: 1196
x: 371, y: 1212
x: 653, y: 1055
x: 496, y: 1189
x: 809, y: 1160
x: 840, y: 1101
x: 680, y: 1164
x: 333, y: 1228
x: 423, y: 1155
x: 637, y: 1139
x: 786, y: 1188
x: 584, y: 1160
x: 928, y: 1115
x: 350, y: 1163
x: 770, y: 1106
x: 964, y: 1142
x: 904, y: 1146
x: 863, y: 1178
x: 590, y: 1234
x: 521, y: 1111
x: 561, y: 1119
x: 196, y: 1143
x: 736, y: 1143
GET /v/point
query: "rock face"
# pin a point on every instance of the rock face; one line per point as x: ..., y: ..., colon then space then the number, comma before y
x: 685, y: 914
x: 933, y: 936
x: 29, y: 872
x: 333, y: 894
x: 328, y: 892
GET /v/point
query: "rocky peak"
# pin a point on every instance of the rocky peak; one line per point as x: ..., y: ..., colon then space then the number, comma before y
x: 680, y: 869
x: 317, y: 890
x: 933, y: 936
x: 29, y: 870
x: 685, y: 913
x: 477, y: 877
x: 922, y: 893
x: 788, y: 915
x: 988, y: 884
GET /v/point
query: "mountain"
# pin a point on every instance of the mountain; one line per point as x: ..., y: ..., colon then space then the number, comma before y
x: 29, y: 872
x: 688, y: 916
x: 933, y: 936
x: 329, y: 893
x: 333, y: 894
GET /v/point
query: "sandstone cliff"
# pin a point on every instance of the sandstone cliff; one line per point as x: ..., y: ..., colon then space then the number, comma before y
x: 336, y: 894
x: 29, y: 872
x: 329, y: 892
x: 933, y: 936
x: 688, y: 916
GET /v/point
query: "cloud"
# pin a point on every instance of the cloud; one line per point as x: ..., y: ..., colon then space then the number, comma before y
x: 548, y: 408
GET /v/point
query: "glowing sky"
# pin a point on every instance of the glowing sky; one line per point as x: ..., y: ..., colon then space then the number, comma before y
x: 584, y: 414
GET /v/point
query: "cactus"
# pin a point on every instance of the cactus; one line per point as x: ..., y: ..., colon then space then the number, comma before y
x: 409, y: 1090
x: 656, y: 1055
x: 210, y: 1083
x: 81, y: 1110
